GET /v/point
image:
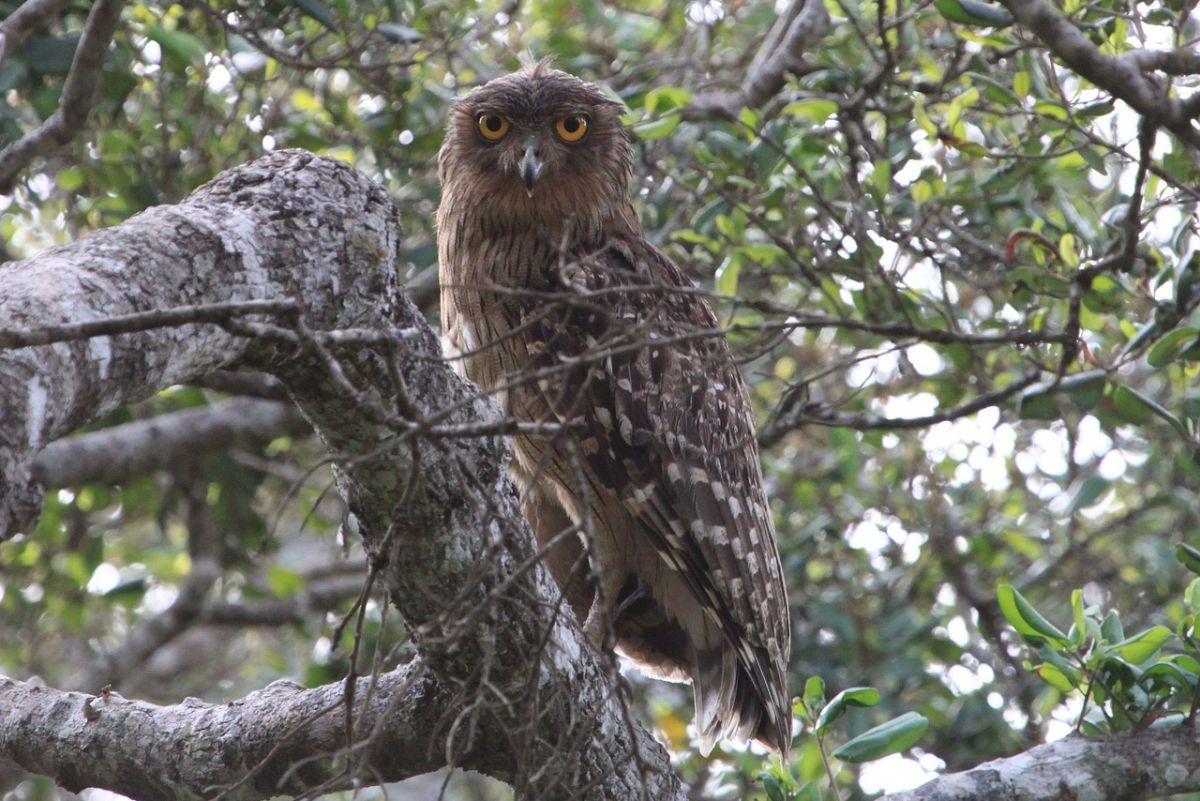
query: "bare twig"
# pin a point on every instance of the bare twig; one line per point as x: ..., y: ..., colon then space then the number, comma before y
x: 141, y: 321
x: 796, y: 31
x: 17, y: 25
x: 77, y: 96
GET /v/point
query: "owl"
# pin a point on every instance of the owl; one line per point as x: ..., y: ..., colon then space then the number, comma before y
x: 647, y: 499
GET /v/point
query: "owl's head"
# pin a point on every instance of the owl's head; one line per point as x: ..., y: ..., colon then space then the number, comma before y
x: 537, y: 138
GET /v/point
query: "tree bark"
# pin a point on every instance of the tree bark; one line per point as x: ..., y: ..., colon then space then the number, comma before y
x: 1122, y: 767
x: 516, y: 690
x: 283, y: 739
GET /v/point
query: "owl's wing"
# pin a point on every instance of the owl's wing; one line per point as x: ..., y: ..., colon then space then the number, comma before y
x: 668, y: 425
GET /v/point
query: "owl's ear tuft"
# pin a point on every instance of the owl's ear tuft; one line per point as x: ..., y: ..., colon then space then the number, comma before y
x: 538, y: 68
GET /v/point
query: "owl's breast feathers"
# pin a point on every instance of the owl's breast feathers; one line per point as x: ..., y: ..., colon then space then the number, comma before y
x: 647, y: 372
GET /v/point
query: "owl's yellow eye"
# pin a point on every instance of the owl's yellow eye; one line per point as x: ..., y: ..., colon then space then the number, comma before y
x: 492, y: 126
x: 572, y: 128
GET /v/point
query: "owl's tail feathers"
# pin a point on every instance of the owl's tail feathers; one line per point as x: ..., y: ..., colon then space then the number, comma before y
x: 731, y: 703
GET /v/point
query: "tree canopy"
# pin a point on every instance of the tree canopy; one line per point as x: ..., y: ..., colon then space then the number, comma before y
x: 954, y: 244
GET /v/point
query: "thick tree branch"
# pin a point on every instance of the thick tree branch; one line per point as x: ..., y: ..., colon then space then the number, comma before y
x: 78, y: 93
x: 1121, y: 76
x: 520, y: 693
x: 112, y: 455
x: 1123, y: 767
x: 247, y: 749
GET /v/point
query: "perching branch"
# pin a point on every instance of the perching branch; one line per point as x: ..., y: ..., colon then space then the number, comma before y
x: 78, y: 94
x: 508, y: 684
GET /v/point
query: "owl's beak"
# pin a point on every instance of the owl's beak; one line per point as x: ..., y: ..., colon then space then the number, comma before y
x: 531, y: 167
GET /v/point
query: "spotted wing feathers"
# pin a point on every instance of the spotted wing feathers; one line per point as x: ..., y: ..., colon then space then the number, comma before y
x: 666, y: 410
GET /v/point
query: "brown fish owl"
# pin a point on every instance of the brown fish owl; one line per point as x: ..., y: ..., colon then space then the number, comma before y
x: 553, y: 300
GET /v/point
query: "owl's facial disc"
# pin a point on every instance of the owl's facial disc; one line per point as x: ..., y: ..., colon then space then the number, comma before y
x: 539, y: 142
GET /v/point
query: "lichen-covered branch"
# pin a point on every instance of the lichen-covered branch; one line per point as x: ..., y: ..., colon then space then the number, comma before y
x: 246, y: 748
x: 519, y: 694
x: 1123, y: 767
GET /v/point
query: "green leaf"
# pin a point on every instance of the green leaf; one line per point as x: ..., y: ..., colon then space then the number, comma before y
x: 1021, y: 84
x: 888, y: 738
x: 971, y: 12
x: 284, y: 582
x: 70, y: 178
x: 130, y: 591
x: 1173, y: 343
x: 318, y: 12
x: 49, y: 55
x: 1079, y: 628
x: 1134, y: 407
x: 1186, y: 662
x: 881, y: 177
x: 855, y: 696
x: 1086, y: 492
x: 1085, y: 389
x: 1188, y: 556
x: 1143, y: 335
x: 772, y: 786
x: 1191, y: 596
x: 1067, y: 250
x: 1168, y: 673
x: 1111, y: 629
x: 1063, y: 681
x: 657, y: 129
x: 809, y: 791
x: 1025, y: 619
x: 727, y: 277
x: 1140, y: 647
x: 1039, y: 403
x: 814, y: 694
x: 816, y: 109
x: 182, y: 47
x: 666, y: 98
x: 401, y: 34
